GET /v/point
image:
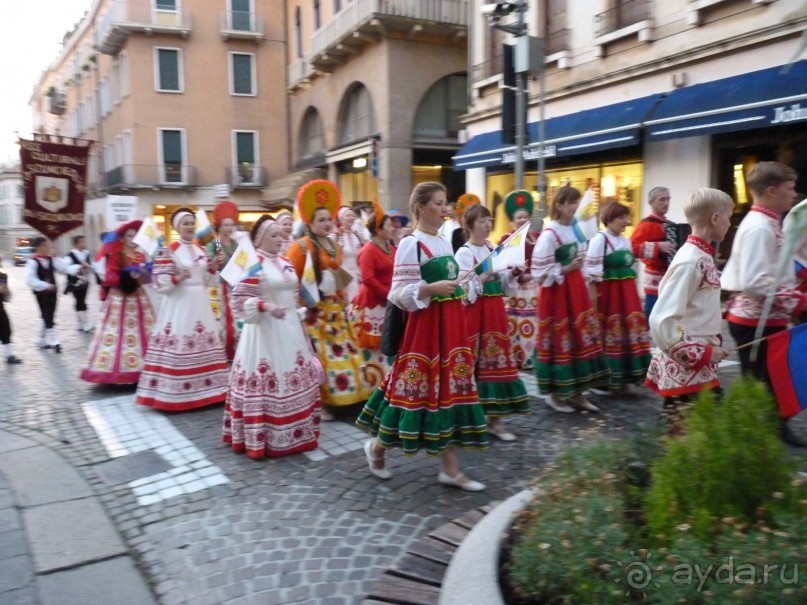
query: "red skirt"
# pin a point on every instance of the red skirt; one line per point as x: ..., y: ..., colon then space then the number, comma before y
x: 569, y: 357
x: 625, y: 334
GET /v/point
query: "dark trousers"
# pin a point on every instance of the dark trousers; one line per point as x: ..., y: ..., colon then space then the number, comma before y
x: 745, y: 334
x: 649, y: 303
x: 47, y: 306
x: 81, y: 298
x: 5, y: 326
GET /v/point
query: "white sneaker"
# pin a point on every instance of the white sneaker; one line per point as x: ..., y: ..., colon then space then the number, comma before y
x: 558, y: 404
x: 461, y: 481
x: 501, y: 433
x: 381, y: 473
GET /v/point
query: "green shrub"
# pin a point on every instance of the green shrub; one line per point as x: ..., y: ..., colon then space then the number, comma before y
x: 729, y: 463
x: 713, y: 517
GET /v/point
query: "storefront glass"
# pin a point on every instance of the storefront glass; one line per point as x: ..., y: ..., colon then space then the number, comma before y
x: 619, y: 181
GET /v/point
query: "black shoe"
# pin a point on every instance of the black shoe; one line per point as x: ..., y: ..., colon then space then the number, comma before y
x: 13, y: 359
x: 57, y: 348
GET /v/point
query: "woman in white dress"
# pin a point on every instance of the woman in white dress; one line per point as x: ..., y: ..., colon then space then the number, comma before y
x: 273, y: 406
x: 185, y: 366
x: 351, y: 241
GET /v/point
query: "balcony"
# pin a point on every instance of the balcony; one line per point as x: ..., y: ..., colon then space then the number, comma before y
x: 299, y: 73
x: 626, y: 18
x: 139, y: 176
x: 246, y: 176
x: 487, y: 69
x: 126, y: 18
x: 364, y: 21
x: 241, y: 26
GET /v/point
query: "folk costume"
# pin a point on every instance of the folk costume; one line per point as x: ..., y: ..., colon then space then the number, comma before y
x: 649, y: 233
x: 376, y: 261
x: 287, y: 241
x: 333, y: 338
x: 521, y: 299
x: 219, y: 294
x: 748, y: 275
x: 40, y: 276
x: 569, y: 357
x: 5, y: 323
x: 272, y: 407
x: 501, y: 391
x: 78, y: 285
x: 428, y: 400
x: 686, y: 323
x: 609, y: 265
x: 351, y: 242
x: 185, y: 366
x: 120, y: 342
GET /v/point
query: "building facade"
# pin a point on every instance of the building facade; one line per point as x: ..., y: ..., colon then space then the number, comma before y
x: 184, y: 98
x: 642, y: 93
x: 11, y: 202
x: 376, y: 91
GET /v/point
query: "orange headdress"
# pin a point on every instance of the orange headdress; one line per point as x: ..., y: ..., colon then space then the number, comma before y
x: 465, y: 201
x: 223, y: 210
x: 315, y: 195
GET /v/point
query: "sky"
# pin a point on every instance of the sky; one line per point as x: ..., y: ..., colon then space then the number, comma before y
x: 31, y: 34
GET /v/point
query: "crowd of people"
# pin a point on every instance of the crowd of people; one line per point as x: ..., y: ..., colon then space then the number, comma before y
x: 282, y: 356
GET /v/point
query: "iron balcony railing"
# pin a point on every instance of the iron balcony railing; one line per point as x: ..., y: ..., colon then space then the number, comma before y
x: 623, y: 14
x: 487, y: 69
x: 246, y: 175
x: 140, y: 175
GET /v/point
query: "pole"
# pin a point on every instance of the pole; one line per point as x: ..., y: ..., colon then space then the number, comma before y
x: 542, y: 130
x: 520, y: 105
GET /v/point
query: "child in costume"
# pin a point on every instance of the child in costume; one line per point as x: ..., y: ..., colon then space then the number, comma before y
x: 501, y: 391
x: 79, y: 284
x: 522, y: 297
x: 686, y: 320
x: 609, y: 269
x: 40, y: 275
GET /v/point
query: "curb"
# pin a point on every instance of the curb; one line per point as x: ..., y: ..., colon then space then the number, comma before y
x: 473, y: 573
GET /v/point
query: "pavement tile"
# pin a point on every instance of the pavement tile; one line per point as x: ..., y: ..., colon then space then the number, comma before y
x: 101, y: 583
x: 41, y: 476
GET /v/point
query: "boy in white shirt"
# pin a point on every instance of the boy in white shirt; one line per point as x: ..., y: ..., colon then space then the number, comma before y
x: 686, y: 321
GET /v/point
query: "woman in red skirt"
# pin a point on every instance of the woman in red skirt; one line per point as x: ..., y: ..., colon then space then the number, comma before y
x: 428, y: 400
x: 569, y: 356
x: 609, y: 269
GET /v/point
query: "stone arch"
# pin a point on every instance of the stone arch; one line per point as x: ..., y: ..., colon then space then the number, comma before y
x: 439, y: 110
x: 356, y: 118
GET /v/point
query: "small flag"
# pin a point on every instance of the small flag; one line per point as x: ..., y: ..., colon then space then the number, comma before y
x: 512, y: 251
x: 308, y: 284
x: 204, y: 230
x: 787, y: 358
x: 243, y: 263
x: 148, y: 237
x: 586, y: 223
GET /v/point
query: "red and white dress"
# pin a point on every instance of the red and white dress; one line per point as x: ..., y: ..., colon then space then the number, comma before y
x: 119, y: 344
x: 369, y: 306
x: 609, y: 265
x: 686, y: 323
x: 185, y: 365
x: 521, y: 301
x: 272, y: 407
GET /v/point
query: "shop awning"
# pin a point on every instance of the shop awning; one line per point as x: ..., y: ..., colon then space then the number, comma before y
x: 283, y: 191
x: 591, y: 130
x: 758, y: 99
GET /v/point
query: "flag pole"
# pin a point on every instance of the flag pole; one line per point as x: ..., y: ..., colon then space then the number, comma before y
x: 495, y: 250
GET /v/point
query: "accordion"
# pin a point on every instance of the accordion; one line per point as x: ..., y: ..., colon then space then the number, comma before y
x: 677, y: 234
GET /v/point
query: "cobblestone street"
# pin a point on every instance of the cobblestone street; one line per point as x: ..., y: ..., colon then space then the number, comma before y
x: 206, y: 526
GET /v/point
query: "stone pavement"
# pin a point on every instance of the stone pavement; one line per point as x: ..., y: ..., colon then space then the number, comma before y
x: 100, y: 497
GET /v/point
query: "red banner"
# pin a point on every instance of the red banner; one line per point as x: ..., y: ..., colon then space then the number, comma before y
x: 54, y: 176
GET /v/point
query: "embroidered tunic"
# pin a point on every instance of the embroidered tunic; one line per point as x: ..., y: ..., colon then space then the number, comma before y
x: 626, y: 339
x: 272, y: 407
x: 569, y: 356
x: 219, y: 295
x: 686, y: 323
x: 649, y: 233
x: 750, y: 269
x: 521, y: 301
x: 185, y: 366
x: 428, y: 400
x: 501, y: 391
